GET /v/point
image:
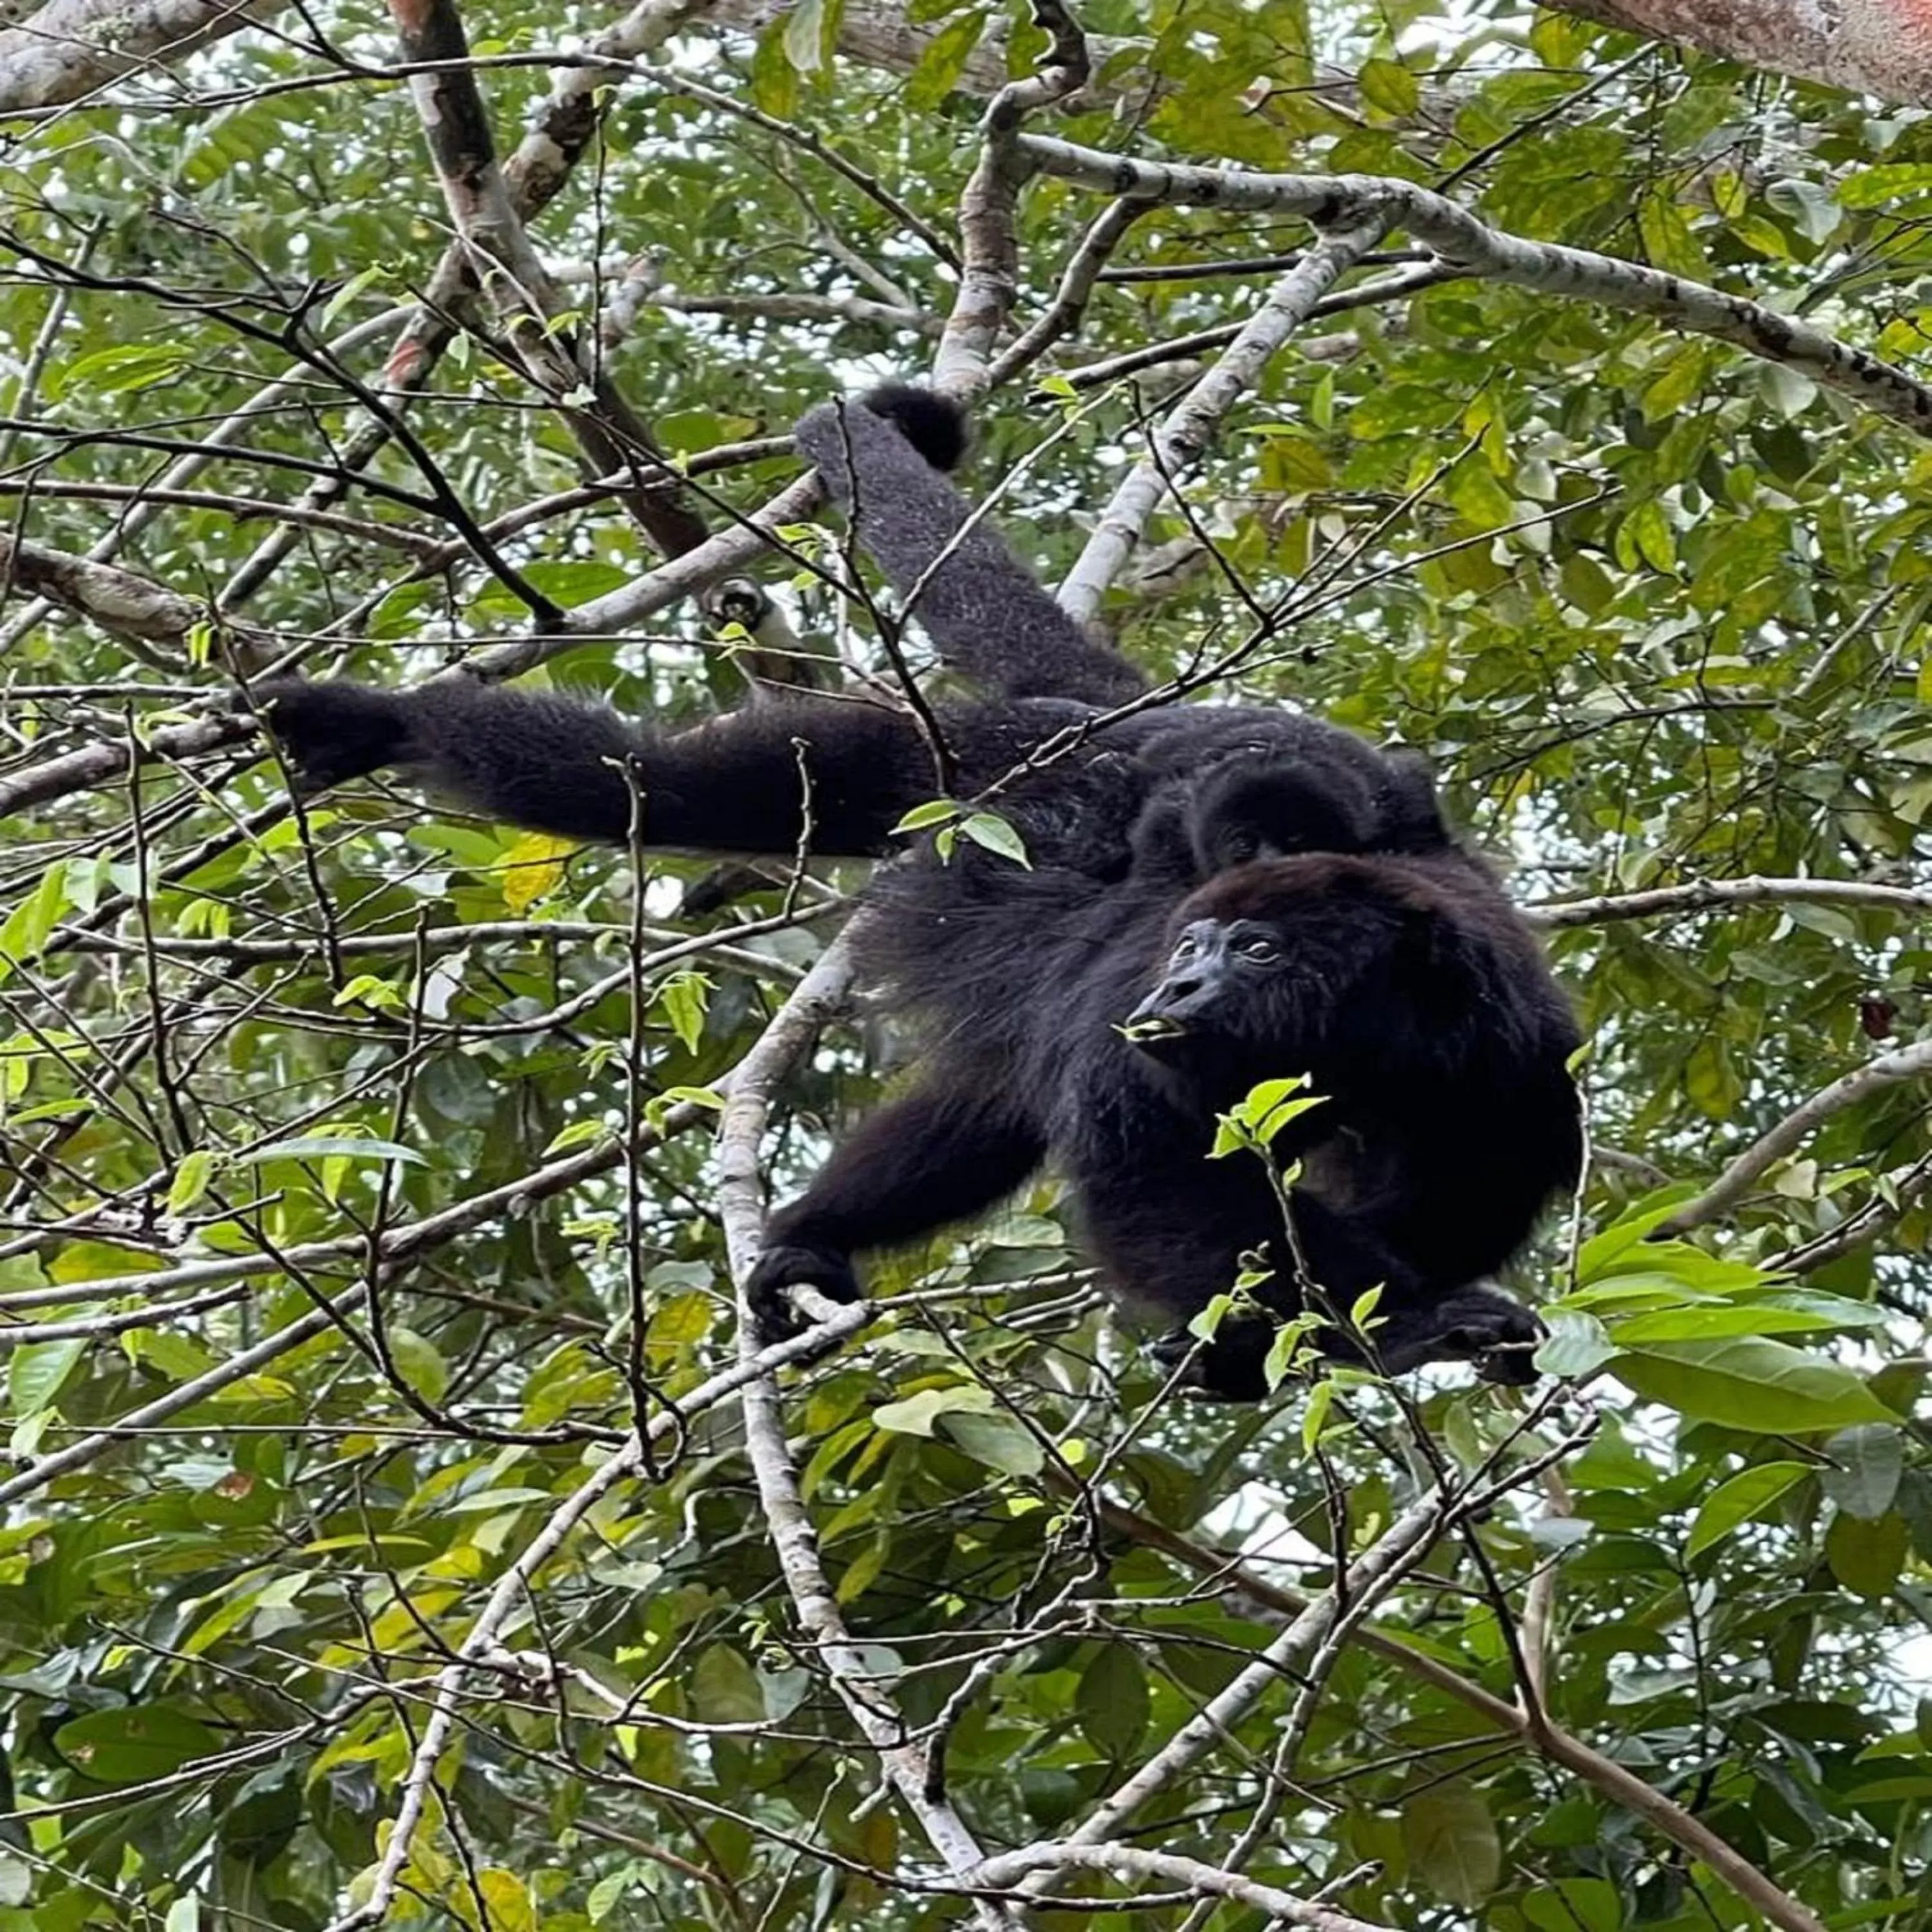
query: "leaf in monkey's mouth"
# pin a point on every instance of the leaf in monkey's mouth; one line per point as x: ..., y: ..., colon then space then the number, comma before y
x: 1156, y: 1027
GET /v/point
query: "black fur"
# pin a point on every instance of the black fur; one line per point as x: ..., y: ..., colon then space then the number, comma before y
x: 1412, y: 994
x: 1407, y: 988
x: 935, y: 425
x: 733, y: 785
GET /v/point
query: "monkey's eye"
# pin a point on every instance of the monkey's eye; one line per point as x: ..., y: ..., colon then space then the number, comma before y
x: 1241, y: 848
x: 1258, y: 946
x: 1186, y: 946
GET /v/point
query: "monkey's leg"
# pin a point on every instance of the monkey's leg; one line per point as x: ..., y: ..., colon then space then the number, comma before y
x: 1173, y: 1256
x: 751, y: 780
x: 941, y: 1153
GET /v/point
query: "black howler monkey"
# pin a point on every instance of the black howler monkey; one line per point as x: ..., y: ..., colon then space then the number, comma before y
x: 1339, y: 932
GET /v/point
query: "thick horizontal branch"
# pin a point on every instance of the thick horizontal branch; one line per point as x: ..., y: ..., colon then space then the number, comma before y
x: 1708, y: 894
x: 1868, y: 47
x: 71, y: 47
x: 133, y: 608
x: 1456, y: 236
x: 1129, y: 1863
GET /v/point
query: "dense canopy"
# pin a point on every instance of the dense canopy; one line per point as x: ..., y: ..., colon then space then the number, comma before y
x: 395, y: 1532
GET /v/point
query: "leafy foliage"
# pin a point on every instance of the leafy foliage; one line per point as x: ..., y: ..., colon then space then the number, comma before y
x: 326, y: 1285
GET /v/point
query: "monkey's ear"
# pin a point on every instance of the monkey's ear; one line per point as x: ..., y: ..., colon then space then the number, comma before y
x: 935, y: 425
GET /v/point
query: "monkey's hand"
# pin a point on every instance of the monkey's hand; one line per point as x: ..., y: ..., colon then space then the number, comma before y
x: 1233, y: 1367
x: 1477, y: 1323
x: 333, y: 732
x: 778, y: 1268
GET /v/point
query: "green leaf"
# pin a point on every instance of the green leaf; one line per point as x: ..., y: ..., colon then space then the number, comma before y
x: 133, y: 1744
x: 1868, y: 1557
x: 999, y: 1441
x: 421, y: 1363
x: 1452, y: 1844
x: 31, y: 922
x: 190, y: 1181
x: 1291, y: 464
x: 1575, y: 1905
x: 1314, y: 1414
x: 1112, y: 1702
x: 1578, y: 1344
x: 984, y: 829
x: 1389, y: 88
x: 1866, y: 1462
x: 1710, y: 1321
x: 917, y: 1414
x: 344, y: 298
x: 684, y: 999
x: 36, y: 1372
x: 934, y: 811
x: 327, y: 1146
x: 1204, y: 1326
x: 724, y: 1688
x: 809, y: 28
x: 1668, y: 238
x: 944, y: 61
x: 1872, y: 187
x: 1254, y: 1122
x: 1598, y: 1254
x: 1645, y: 535
x: 1744, y: 1497
x: 1751, y: 1384
x: 1813, y: 208
x: 120, y: 371
x: 603, y: 1895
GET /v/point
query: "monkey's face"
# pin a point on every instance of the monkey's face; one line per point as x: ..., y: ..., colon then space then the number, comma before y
x: 1264, y: 963
x: 1221, y: 980
x: 1246, y: 813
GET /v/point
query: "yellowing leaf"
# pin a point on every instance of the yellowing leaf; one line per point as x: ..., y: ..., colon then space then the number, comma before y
x: 533, y: 868
x: 1451, y: 1841
x: 507, y: 1899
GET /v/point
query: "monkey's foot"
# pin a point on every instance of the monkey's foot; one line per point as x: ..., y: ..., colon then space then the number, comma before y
x: 1231, y: 1368
x: 333, y: 732
x: 773, y: 1317
x: 1477, y: 1323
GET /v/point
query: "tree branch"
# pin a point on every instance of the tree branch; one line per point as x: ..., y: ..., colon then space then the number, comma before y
x: 1184, y: 434
x: 1669, y: 1819
x: 1475, y: 248
x: 1908, y: 1062
x: 1698, y: 896
x: 506, y: 266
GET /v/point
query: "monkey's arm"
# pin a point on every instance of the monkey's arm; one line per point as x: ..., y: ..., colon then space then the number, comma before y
x: 942, y: 1153
x: 749, y: 781
x: 985, y: 613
